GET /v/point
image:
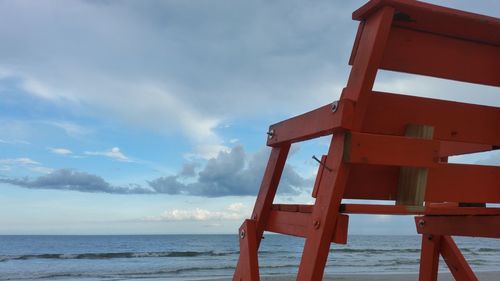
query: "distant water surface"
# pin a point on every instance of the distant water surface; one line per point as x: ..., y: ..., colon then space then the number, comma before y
x: 190, y: 257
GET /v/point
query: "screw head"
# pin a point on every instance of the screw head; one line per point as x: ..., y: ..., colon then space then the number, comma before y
x: 270, y: 134
x: 335, y: 106
x: 316, y: 224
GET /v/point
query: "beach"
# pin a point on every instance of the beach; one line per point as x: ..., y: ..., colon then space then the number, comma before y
x: 482, y: 276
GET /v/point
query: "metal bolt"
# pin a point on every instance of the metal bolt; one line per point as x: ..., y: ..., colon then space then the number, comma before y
x: 316, y: 224
x: 421, y: 223
x: 270, y: 134
x: 335, y: 106
x: 242, y: 234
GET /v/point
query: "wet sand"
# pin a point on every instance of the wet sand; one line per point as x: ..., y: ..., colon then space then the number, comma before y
x: 482, y: 276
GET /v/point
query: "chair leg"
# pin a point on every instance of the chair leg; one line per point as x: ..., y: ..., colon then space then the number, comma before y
x: 429, y: 257
x: 248, y: 262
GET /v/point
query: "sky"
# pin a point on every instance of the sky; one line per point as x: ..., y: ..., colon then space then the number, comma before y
x: 149, y: 117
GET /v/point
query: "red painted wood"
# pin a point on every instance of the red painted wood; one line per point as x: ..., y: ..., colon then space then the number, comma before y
x: 477, y: 226
x: 429, y: 258
x: 452, y: 121
x: 316, y: 123
x: 325, y: 214
x: 298, y: 223
x: 267, y: 192
x: 268, y: 187
x: 437, y: 20
x: 456, y: 262
x: 463, y: 183
x: 390, y: 150
x: 366, y: 62
x: 413, y: 210
x: 445, y: 182
x: 248, y: 264
x: 434, y: 55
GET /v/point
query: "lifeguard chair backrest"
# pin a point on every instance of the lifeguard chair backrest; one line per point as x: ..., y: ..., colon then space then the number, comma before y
x: 437, y: 41
x: 440, y: 42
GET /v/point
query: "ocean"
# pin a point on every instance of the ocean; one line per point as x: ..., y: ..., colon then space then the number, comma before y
x: 192, y: 257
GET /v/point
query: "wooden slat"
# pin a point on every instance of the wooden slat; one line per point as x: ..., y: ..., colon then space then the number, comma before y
x: 450, y: 148
x: 289, y: 223
x: 372, y: 182
x: 298, y: 224
x: 369, y: 209
x: 435, y: 19
x: 478, y: 226
x: 463, y: 183
x: 445, y: 182
x: 432, y: 55
x: 452, y: 121
x: 390, y: 150
x: 316, y: 123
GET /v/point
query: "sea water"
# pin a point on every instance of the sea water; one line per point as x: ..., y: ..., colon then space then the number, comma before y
x: 191, y: 257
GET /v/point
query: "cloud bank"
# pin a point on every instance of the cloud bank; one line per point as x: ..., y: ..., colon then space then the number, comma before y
x: 233, y: 173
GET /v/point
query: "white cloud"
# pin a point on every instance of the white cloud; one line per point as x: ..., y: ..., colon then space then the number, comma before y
x: 61, y: 151
x: 236, y: 207
x: 14, y: 141
x: 41, y: 169
x: 232, y: 212
x: 206, y: 151
x: 25, y: 163
x: 19, y: 161
x: 114, y: 153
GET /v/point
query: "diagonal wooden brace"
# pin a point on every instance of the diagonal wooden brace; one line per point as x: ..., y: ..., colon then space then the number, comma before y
x: 455, y: 260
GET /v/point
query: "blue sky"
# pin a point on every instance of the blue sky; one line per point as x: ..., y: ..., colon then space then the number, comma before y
x: 124, y: 117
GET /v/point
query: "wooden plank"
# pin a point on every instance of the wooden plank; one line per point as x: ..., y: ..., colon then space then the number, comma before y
x: 289, y: 223
x: 417, y: 15
x: 369, y: 53
x: 372, y: 182
x: 445, y: 183
x: 413, y: 181
x: 450, y: 148
x: 390, y: 150
x: 301, y: 208
x: 297, y: 224
x: 433, y: 55
x: 477, y: 226
x: 463, y: 183
x: 452, y: 121
x: 374, y: 209
x: 316, y: 123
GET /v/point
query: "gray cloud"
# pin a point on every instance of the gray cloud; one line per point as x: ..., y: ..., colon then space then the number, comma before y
x: 233, y: 173
x: 66, y: 179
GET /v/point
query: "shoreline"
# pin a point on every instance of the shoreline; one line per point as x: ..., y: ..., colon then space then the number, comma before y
x: 442, y: 276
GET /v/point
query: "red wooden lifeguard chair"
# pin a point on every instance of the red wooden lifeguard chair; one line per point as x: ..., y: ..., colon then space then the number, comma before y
x: 394, y: 147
